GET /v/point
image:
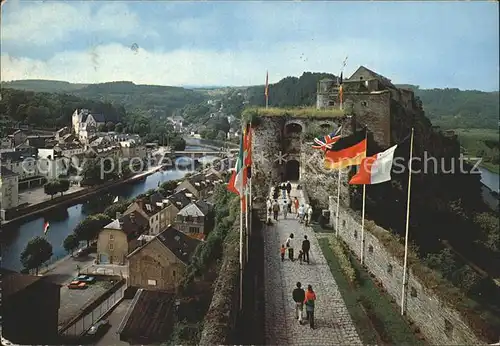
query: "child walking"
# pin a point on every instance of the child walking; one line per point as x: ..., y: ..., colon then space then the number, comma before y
x: 282, y: 251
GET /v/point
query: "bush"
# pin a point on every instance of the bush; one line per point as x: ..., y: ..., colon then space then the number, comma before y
x: 342, y: 254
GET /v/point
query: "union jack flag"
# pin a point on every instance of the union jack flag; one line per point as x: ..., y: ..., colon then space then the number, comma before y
x: 325, y: 142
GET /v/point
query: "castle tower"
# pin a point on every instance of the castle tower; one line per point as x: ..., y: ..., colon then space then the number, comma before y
x: 327, y: 96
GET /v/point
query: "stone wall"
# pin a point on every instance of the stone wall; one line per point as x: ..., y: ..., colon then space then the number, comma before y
x: 440, y: 323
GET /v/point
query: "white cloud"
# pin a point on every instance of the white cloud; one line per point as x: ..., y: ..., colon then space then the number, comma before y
x: 199, y: 67
x: 41, y: 24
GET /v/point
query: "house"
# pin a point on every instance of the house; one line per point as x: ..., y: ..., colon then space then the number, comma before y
x: 21, y: 163
x: 150, y: 318
x: 69, y: 149
x: 196, y: 219
x: 9, y: 191
x: 150, y: 211
x: 117, y: 239
x: 17, y: 137
x: 30, y: 308
x: 160, y: 264
x: 132, y: 148
x: 85, y: 123
x: 6, y: 143
x: 61, y: 133
x: 196, y: 185
x: 176, y: 202
x: 176, y: 122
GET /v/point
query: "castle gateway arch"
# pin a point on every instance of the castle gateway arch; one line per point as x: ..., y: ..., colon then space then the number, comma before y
x: 292, y: 170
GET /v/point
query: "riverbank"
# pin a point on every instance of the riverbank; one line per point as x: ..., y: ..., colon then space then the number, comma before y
x: 70, y: 199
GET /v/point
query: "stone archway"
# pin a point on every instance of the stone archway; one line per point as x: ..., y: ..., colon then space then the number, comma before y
x: 293, y: 128
x: 292, y: 170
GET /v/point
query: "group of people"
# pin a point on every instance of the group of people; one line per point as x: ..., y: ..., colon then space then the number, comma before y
x: 303, y: 252
x: 302, y: 212
x: 307, y: 298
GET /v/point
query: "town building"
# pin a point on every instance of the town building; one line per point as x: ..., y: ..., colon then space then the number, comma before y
x: 196, y: 219
x: 85, y: 124
x: 160, y: 264
x: 197, y: 185
x: 9, y: 193
x: 30, y: 309
x: 117, y: 239
x: 21, y: 163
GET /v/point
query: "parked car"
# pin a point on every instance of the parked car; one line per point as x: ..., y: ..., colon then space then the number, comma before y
x: 75, y: 285
x: 85, y: 278
x: 98, y: 328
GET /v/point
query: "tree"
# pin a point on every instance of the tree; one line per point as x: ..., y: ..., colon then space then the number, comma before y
x: 37, y: 251
x: 70, y: 243
x: 489, y: 224
x: 88, y: 229
x: 119, y: 127
x: 63, y: 185
x: 101, y: 128
x: 51, y: 188
x: 110, y: 126
x: 170, y: 185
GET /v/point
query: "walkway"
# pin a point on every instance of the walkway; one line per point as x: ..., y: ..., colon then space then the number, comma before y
x: 333, y: 323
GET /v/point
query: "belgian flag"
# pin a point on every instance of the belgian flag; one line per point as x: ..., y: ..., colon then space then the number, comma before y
x: 347, y: 151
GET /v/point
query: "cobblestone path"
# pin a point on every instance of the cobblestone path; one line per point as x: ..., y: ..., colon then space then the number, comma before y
x: 333, y: 324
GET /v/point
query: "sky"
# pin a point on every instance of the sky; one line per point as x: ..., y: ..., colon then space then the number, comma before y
x: 433, y: 44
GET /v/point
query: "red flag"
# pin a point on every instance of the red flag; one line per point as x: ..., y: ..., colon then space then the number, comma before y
x: 266, y: 91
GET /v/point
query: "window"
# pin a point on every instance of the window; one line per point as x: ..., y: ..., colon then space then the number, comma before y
x: 370, y: 249
x: 111, y: 236
x: 194, y: 230
x: 157, y: 217
x: 343, y: 223
x: 448, y: 328
x: 189, y: 218
x: 389, y: 268
x: 364, y: 103
x: 151, y: 282
x: 111, y: 246
x: 356, y: 234
x: 173, y: 273
x: 413, y: 292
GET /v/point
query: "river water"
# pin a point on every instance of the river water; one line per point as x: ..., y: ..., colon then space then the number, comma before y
x: 63, y: 221
x: 490, y: 179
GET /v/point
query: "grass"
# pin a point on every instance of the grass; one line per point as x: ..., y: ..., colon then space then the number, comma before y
x: 376, y: 319
x: 316, y: 227
x: 481, y: 142
x: 305, y: 112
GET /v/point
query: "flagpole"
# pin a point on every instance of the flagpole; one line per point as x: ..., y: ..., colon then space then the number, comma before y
x: 338, y: 198
x: 241, y: 252
x: 247, y: 222
x: 267, y: 89
x: 363, y: 215
x: 405, y: 265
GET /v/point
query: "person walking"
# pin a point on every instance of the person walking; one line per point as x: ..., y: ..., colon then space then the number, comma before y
x: 289, y: 245
x: 289, y: 206
x: 309, y: 215
x: 285, y: 209
x: 299, y: 296
x: 306, y: 246
x: 288, y: 188
x: 276, y: 192
x: 300, y: 213
x: 296, y: 205
x: 309, y: 301
x: 269, y: 206
x: 276, y: 210
x: 283, y: 190
x: 282, y: 252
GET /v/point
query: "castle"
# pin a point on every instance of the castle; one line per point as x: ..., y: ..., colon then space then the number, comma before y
x: 85, y: 124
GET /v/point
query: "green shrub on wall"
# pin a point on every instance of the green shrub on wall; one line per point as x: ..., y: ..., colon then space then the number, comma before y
x: 342, y: 253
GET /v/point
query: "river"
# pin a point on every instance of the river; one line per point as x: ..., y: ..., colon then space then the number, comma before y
x: 490, y: 179
x: 63, y: 221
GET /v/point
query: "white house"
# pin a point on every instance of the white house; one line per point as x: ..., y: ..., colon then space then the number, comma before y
x: 9, y: 193
x: 86, y: 124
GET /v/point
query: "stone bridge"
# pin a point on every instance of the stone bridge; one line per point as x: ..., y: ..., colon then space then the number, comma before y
x: 202, y: 153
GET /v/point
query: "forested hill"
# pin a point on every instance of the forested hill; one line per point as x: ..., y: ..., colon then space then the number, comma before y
x: 448, y: 108
x: 139, y: 99
x: 290, y: 91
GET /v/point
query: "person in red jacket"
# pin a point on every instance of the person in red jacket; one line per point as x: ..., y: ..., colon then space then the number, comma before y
x: 309, y: 303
